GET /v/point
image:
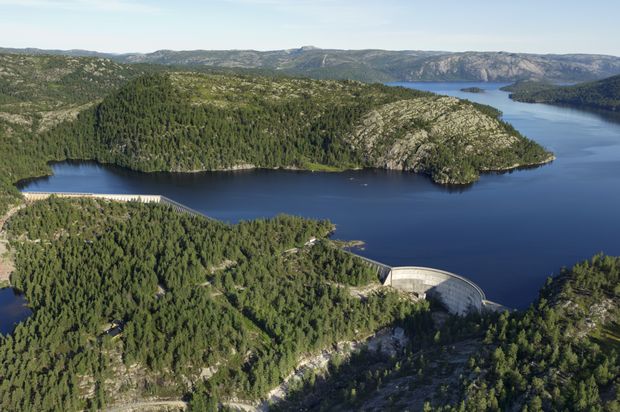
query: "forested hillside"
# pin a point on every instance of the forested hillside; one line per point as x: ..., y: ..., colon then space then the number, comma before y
x: 196, y: 299
x: 559, y: 355
x: 212, y: 314
x: 188, y: 122
x: 603, y: 94
x: 38, y: 92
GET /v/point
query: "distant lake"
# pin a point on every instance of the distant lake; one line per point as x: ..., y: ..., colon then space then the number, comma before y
x: 13, y: 309
x: 507, y: 232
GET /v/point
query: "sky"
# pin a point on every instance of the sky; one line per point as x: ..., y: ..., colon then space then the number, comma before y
x: 121, y: 26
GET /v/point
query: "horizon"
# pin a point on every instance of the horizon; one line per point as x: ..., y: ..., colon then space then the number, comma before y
x: 298, y: 48
x: 141, y: 26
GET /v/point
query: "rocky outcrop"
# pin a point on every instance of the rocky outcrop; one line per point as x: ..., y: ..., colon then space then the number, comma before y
x: 413, y: 134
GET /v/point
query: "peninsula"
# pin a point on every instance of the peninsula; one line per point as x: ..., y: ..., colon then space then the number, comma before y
x: 187, y: 122
x: 154, y: 118
x: 602, y: 94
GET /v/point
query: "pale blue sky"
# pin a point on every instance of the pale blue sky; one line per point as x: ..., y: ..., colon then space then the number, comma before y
x: 540, y: 26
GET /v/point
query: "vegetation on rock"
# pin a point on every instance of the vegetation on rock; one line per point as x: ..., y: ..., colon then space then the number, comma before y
x: 192, y: 122
x: 561, y: 354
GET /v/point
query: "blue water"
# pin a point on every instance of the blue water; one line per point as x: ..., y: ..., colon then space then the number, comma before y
x: 13, y: 309
x: 507, y: 232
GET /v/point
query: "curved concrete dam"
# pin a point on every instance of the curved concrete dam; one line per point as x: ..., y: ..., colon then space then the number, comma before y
x: 458, y: 294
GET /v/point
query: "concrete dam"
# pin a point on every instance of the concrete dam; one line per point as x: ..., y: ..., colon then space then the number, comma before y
x: 458, y: 294
x: 33, y: 196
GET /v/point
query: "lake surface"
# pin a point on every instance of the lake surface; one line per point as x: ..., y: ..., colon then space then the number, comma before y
x: 507, y: 232
x: 13, y: 309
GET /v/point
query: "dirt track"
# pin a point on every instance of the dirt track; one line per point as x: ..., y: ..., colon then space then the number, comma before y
x: 6, y: 260
x: 149, y: 406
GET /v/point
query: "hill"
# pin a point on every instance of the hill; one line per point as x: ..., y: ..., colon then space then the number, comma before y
x: 137, y: 116
x: 559, y: 355
x: 138, y: 303
x: 37, y: 93
x: 383, y: 65
x: 602, y: 94
x: 186, y: 122
x: 214, y: 314
x: 135, y: 304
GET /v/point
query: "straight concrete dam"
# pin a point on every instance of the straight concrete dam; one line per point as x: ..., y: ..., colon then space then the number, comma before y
x: 34, y: 196
x: 459, y: 295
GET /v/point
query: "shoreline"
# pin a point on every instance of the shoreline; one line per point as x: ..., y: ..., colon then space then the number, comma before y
x: 246, y: 167
x: 517, y: 166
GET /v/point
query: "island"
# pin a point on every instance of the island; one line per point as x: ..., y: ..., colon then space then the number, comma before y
x: 602, y: 94
x: 472, y: 90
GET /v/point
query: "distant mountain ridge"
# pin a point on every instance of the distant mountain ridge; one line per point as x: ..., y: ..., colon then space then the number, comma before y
x: 373, y: 65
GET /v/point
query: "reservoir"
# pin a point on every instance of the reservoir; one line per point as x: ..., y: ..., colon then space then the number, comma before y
x: 508, y: 232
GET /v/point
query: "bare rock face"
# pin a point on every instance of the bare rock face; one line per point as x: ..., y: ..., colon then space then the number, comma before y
x: 411, y: 134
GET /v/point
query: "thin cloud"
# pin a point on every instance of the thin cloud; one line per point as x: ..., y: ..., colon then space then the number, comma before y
x: 130, y: 6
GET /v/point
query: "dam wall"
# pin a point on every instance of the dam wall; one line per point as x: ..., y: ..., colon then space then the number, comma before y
x: 383, y: 270
x: 34, y: 196
x: 458, y: 294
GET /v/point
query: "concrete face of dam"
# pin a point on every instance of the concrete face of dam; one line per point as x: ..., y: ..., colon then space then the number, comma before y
x: 34, y: 196
x: 458, y: 294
